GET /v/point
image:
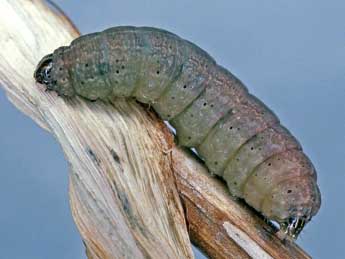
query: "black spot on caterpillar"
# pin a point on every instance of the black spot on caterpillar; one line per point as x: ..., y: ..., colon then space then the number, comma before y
x: 237, y: 136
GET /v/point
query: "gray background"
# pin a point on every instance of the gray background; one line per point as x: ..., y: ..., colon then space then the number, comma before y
x: 289, y: 53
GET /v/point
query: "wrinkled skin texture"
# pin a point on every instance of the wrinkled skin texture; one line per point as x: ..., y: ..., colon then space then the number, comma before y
x: 237, y: 136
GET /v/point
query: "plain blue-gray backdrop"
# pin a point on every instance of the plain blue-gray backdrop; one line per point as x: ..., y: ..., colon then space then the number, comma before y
x: 291, y: 54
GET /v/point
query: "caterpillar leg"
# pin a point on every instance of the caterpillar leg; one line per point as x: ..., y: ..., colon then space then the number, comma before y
x: 290, y: 229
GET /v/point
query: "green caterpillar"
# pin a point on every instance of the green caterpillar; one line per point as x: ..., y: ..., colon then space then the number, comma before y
x: 236, y: 135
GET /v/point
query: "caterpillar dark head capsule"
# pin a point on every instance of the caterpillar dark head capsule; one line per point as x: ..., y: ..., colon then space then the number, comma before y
x: 43, y: 71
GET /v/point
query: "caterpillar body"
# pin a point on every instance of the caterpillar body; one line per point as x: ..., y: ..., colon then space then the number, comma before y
x: 237, y: 136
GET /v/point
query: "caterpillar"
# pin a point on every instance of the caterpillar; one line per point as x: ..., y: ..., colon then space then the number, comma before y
x: 238, y: 137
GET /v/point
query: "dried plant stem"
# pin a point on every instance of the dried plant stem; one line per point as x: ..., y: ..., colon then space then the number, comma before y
x: 125, y: 188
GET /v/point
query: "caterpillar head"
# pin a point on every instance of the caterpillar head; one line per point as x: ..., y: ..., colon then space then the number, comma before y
x: 47, y: 73
x: 43, y: 72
